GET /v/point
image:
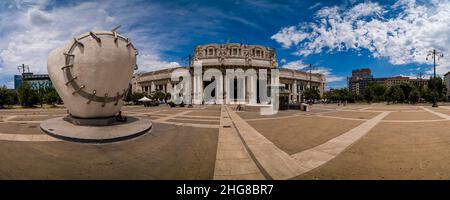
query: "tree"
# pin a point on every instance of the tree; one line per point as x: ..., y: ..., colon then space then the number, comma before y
x: 388, y: 95
x: 312, y: 93
x: 159, y: 95
x: 135, y: 96
x: 128, y: 95
x: 50, y: 96
x: 397, y: 94
x: 168, y: 96
x: 437, y: 89
x: 3, y: 97
x: 342, y: 94
x: 333, y: 95
x: 7, y: 97
x: 374, y: 92
x: 27, y: 96
x: 406, y: 88
x: 369, y: 94
x: 378, y: 91
x: 414, y: 96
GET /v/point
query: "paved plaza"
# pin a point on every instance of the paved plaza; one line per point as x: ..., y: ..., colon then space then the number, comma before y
x: 358, y: 141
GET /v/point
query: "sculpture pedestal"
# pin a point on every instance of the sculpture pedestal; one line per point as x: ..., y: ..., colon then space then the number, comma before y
x: 90, y: 121
x: 117, y: 131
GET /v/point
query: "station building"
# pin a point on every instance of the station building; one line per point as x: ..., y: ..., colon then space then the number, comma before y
x: 232, y: 56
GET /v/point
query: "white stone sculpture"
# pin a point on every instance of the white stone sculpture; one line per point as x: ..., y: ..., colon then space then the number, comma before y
x: 92, y: 73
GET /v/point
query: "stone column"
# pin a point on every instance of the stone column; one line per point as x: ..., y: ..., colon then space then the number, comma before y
x: 195, y: 89
x: 247, y: 90
x: 252, y: 88
x: 274, y: 82
x: 243, y: 92
x: 295, y: 90
x: 200, y: 85
x: 198, y: 89
x: 219, y: 90
x: 152, y: 87
x: 169, y: 87
x: 174, y: 97
x: 227, y: 89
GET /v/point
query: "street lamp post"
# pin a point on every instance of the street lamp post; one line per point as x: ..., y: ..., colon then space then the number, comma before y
x: 434, y: 54
x: 311, y: 67
x: 419, y: 77
x: 23, y: 68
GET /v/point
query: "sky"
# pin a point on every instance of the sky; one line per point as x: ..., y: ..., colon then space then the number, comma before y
x: 390, y: 37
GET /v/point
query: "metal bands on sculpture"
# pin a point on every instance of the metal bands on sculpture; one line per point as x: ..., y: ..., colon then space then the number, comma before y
x: 71, y: 80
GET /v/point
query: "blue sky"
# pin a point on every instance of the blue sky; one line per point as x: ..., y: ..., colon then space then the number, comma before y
x: 390, y: 37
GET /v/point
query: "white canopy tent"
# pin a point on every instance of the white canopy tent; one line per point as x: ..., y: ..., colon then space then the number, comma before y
x: 144, y: 99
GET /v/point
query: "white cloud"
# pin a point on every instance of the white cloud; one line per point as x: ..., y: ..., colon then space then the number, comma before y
x: 29, y: 32
x: 328, y: 75
x: 315, y: 6
x: 296, y: 65
x: 150, y: 62
x: 299, y: 65
x: 415, y: 76
x: 289, y: 36
x: 365, y: 9
x: 30, y: 29
x: 402, y: 33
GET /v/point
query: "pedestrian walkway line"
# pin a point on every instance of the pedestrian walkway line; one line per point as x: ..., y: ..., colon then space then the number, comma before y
x: 202, y: 116
x: 144, y: 113
x: 276, y: 163
x: 232, y: 158
x: 173, y: 116
x: 27, y: 137
x: 275, y: 118
x: 414, y: 121
x: 187, y: 124
x: 206, y: 117
x: 321, y: 154
x: 366, y: 108
x: 197, y: 120
x: 181, y: 114
x: 280, y: 165
x: 445, y: 107
x: 442, y: 115
x: 9, y: 118
x: 344, y: 118
x: 14, y: 121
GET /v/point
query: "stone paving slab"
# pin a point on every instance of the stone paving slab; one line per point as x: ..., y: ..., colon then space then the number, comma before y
x: 296, y: 134
x: 192, y: 121
x: 315, y: 157
x: 393, y: 151
x: 27, y: 137
x: 277, y: 163
x: 444, y: 116
x: 205, y: 113
x: 214, y: 126
x: 348, y: 114
x: 168, y: 153
x: 445, y: 111
x: 232, y: 159
x: 20, y: 128
x: 418, y: 150
x: 59, y: 128
x: 412, y: 116
x: 173, y: 115
x: 256, y: 115
x: 196, y: 118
